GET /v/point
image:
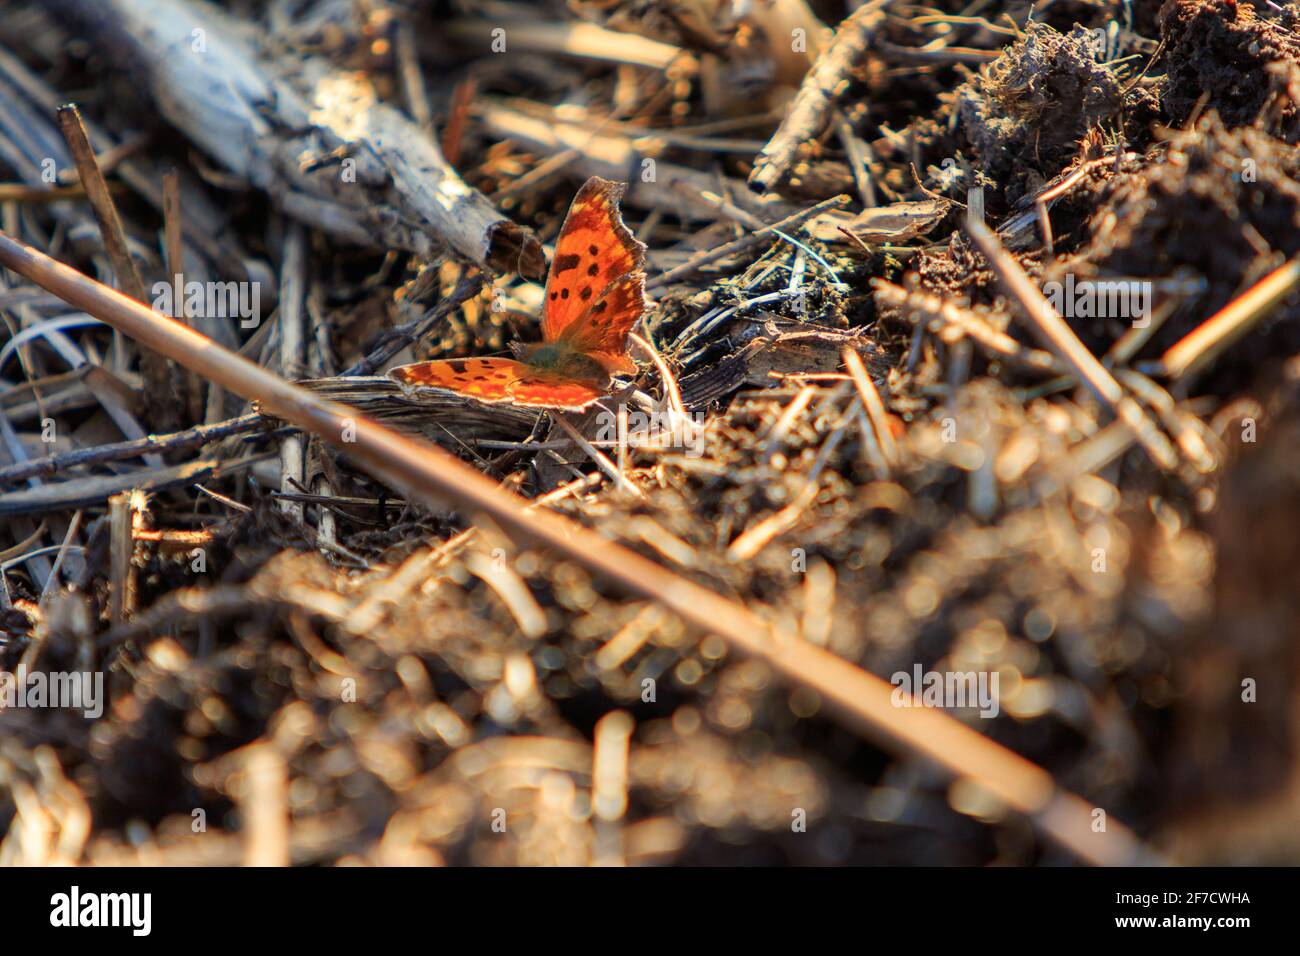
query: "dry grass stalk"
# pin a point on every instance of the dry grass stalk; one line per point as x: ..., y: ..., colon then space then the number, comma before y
x: 1208, y: 340
x: 875, y: 408
x: 583, y: 40
x: 1059, y: 337
x: 917, y: 305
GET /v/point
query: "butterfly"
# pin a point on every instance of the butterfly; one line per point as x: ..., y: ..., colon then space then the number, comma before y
x: 595, y: 294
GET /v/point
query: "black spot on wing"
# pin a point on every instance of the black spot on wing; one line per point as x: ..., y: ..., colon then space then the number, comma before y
x: 565, y: 263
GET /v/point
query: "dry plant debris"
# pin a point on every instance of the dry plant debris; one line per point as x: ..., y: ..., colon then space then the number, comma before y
x: 972, y: 354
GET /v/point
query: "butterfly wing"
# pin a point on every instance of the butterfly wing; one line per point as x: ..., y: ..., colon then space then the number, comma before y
x: 499, y: 380
x: 595, y: 293
x: 594, y: 250
x: 602, y: 330
x: 539, y: 388
x: 487, y: 379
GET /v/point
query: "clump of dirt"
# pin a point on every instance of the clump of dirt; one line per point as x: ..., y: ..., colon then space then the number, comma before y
x: 1221, y: 208
x: 1037, y: 100
x: 1245, y: 67
x: 1022, y: 119
x: 958, y: 270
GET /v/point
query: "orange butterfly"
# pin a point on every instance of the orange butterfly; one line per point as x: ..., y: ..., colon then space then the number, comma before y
x: 595, y: 294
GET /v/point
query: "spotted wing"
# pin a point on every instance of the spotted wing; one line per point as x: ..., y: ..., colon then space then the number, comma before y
x: 487, y: 379
x: 593, y: 251
x: 499, y: 380
x: 543, y: 389
x: 603, y: 329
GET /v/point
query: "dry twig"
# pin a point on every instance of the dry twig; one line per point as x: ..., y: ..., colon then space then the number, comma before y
x: 821, y: 89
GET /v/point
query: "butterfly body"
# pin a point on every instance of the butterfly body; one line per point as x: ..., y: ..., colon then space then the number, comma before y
x: 595, y: 294
x: 564, y: 359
